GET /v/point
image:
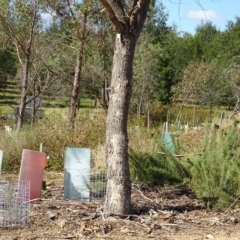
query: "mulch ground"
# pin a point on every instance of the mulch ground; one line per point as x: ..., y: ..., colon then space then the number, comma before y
x: 157, y: 214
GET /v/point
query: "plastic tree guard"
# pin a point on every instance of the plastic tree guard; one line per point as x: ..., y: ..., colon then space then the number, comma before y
x: 77, y: 174
x: 32, y: 169
x: 167, y: 139
x: 1, y: 154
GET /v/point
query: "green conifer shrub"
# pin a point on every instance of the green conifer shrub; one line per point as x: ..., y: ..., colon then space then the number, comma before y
x: 215, y: 175
x: 156, y: 168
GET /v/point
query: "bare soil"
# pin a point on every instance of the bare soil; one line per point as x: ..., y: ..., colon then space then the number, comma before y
x: 158, y: 213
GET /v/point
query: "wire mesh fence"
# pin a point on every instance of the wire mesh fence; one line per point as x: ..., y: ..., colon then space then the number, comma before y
x: 14, y: 204
x: 90, y: 187
x: 97, y: 186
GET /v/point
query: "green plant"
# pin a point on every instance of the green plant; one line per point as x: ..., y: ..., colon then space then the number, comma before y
x: 157, y: 113
x: 157, y: 168
x: 215, y: 173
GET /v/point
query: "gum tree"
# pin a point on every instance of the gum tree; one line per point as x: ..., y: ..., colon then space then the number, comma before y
x: 76, y: 18
x: 19, y: 20
x: 128, y: 22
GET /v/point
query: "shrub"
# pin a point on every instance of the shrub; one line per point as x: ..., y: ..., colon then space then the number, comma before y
x: 216, y: 173
x: 157, y: 113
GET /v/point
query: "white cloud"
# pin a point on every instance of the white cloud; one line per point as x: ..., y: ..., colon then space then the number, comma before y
x: 202, y: 15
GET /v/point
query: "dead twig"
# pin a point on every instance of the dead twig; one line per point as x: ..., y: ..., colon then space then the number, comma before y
x: 67, y: 237
x: 138, y: 190
x: 122, y: 216
x: 233, y: 203
x: 102, y: 214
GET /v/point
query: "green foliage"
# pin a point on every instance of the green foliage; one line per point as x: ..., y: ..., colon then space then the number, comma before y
x: 156, y: 23
x: 8, y: 66
x: 157, y: 113
x: 205, y: 43
x: 215, y: 173
x: 157, y: 168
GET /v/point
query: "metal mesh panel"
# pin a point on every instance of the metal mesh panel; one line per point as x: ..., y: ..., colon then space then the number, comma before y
x: 91, y: 187
x: 97, y: 186
x: 14, y: 204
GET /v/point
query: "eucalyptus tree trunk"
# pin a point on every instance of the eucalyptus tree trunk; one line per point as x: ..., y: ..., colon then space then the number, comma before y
x: 21, y: 109
x: 77, y: 75
x: 118, y: 198
x: 25, y: 66
x: 128, y: 27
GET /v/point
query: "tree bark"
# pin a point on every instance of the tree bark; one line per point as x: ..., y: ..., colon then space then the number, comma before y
x: 118, y: 198
x: 128, y: 27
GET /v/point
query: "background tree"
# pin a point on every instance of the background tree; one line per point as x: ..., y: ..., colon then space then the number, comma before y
x: 153, y: 73
x: 197, y: 87
x: 204, y: 46
x: 74, y: 14
x: 98, y: 61
x: 231, y: 74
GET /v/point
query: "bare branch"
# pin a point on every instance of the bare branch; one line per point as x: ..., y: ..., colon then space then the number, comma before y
x: 18, y: 53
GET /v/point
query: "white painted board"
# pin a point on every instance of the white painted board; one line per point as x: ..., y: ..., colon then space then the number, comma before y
x: 77, y: 174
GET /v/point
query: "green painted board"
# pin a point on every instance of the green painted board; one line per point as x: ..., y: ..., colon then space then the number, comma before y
x: 167, y: 139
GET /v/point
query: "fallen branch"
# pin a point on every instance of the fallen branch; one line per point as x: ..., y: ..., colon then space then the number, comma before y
x: 163, y: 153
x: 179, y: 155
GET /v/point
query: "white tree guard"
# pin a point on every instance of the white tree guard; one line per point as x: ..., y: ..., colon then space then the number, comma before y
x: 77, y: 174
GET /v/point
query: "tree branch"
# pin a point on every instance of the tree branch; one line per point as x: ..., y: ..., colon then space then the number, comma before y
x: 18, y: 53
x: 116, y: 18
x: 136, y: 22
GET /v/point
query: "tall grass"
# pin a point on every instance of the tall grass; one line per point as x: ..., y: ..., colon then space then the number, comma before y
x: 12, y: 145
x: 54, y: 132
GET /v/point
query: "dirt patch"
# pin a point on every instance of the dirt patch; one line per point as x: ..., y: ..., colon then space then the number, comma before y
x: 157, y: 214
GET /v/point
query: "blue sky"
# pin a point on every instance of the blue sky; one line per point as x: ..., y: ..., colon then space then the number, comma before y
x: 189, y: 14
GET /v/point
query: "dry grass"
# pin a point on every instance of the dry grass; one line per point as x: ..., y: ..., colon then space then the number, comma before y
x: 53, y: 131
x: 98, y: 157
